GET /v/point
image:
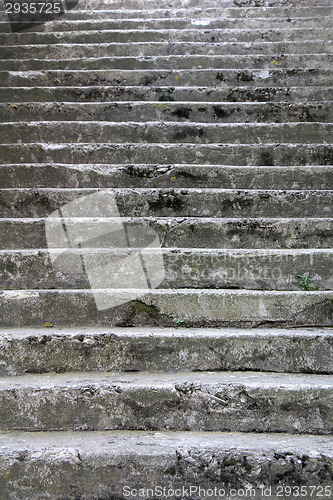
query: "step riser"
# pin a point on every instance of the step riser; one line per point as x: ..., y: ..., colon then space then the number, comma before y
x: 60, y: 51
x: 264, y: 24
x: 162, y: 94
x: 212, y: 78
x: 321, y: 61
x: 170, y: 406
x: 168, y: 203
x: 165, y: 24
x: 56, y: 351
x: 169, y: 111
x: 154, y: 176
x: 192, y: 35
x: 184, y: 269
x: 241, y: 5
x: 241, y: 155
x: 212, y: 13
x: 194, y: 233
x: 164, y: 307
x: 169, y: 133
x: 77, y: 464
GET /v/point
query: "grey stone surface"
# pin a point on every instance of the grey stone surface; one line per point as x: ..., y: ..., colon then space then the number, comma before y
x: 213, y: 122
x: 164, y: 133
x: 210, y: 401
x: 168, y: 202
x: 186, y: 112
x: 281, y: 154
x: 163, y: 307
x: 105, y: 93
x: 187, y: 232
x: 191, y: 268
x: 41, y: 350
x: 90, y: 465
x: 201, y: 176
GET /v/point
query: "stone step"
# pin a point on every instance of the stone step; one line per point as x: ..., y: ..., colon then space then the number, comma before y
x: 103, y: 132
x: 241, y: 6
x: 41, y: 350
x: 51, y: 175
x: 201, y: 13
x: 300, y: 233
x: 197, y: 401
x: 212, y: 78
x: 189, y: 4
x: 103, y: 93
x: 71, y: 50
x: 191, y: 62
x: 320, y: 17
x: 197, y: 13
x: 199, y: 112
x: 167, y: 202
x: 199, y: 34
x: 184, y: 268
x: 165, y: 154
x: 164, y: 307
x: 208, y: 463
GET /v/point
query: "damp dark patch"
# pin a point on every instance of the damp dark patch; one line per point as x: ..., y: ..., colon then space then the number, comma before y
x: 147, y: 80
x: 220, y: 77
x: 191, y: 132
x: 182, y: 112
x: 219, y: 112
x: 163, y: 200
x: 244, y: 76
x: 265, y: 159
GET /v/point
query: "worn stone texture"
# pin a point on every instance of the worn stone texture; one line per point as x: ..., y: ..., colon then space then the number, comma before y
x: 94, y: 465
x: 211, y: 124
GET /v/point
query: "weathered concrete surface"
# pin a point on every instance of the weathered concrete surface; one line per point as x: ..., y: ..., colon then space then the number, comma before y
x: 191, y: 62
x: 163, y: 307
x: 311, y: 18
x: 281, y: 154
x: 170, y: 35
x: 183, y: 77
x: 210, y: 401
x: 189, y: 202
x: 186, y: 232
x: 51, y: 175
x: 94, y: 465
x: 170, y: 133
x: 307, y: 350
x: 192, y: 268
x: 169, y: 111
x: 87, y: 16
x: 162, y: 93
x: 71, y: 50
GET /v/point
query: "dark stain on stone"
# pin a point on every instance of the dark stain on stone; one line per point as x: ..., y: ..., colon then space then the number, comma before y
x: 219, y: 112
x: 244, y: 76
x: 266, y: 159
x: 251, y: 94
x: 182, y: 112
x: 141, y: 172
x: 184, y: 133
x: 147, y: 80
x: 163, y: 200
x: 220, y: 77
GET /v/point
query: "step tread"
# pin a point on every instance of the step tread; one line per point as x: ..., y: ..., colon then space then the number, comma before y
x: 168, y: 381
x: 310, y: 333
x: 153, y: 443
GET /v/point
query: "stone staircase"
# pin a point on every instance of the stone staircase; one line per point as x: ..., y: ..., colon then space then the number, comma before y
x: 208, y: 125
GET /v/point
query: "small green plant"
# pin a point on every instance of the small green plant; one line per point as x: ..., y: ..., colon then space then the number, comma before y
x: 180, y: 321
x: 305, y: 282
